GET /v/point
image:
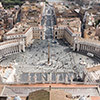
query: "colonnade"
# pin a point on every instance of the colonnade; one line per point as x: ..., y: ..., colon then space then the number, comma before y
x: 86, y: 45
x: 11, y: 47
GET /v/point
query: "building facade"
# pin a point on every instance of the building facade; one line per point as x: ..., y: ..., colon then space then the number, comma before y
x: 20, y: 31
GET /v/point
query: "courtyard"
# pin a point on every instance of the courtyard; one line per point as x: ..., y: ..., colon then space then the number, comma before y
x: 35, y: 60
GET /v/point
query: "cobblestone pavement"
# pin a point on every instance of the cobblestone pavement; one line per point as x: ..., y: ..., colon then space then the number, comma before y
x: 35, y: 58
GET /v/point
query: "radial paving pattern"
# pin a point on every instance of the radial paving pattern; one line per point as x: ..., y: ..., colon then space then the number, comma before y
x: 62, y: 59
x: 34, y: 61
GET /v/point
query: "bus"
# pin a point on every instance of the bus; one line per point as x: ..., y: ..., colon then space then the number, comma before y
x: 90, y: 54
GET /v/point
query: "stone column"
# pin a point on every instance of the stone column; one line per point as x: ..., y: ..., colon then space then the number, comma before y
x: 74, y: 46
x: 43, y: 35
x: 43, y: 80
x: 35, y: 78
x: 28, y: 77
x: 71, y: 79
x: 78, y: 47
x: 66, y: 79
x: 83, y: 47
x: 57, y: 78
x: 23, y: 46
x: 86, y: 47
x: 50, y: 78
x: 19, y: 48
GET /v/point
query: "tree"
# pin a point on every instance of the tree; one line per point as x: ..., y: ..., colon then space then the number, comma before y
x: 11, y: 3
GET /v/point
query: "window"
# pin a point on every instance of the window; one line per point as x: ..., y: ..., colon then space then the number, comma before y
x: 56, y: 33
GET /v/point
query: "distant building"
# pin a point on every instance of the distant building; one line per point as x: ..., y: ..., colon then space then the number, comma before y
x: 32, y: 15
x: 68, y: 24
x: 26, y: 7
x: 20, y: 31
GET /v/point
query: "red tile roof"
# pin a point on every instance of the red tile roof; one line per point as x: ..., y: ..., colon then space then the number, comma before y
x: 95, y: 98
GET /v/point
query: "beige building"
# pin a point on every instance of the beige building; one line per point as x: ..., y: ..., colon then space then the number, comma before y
x: 38, y: 33
x: 26, y: 7
x: 59, y: 31
x: 20, y: 31
x: 32, y: 14
x: 23, y: 33
x: 68, y: 24
x: 69, y: 28
x: 66, y: 32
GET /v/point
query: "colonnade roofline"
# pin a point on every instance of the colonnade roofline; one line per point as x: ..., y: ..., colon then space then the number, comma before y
x: 18, y: 33
x: 87, y: 41
x: 10, y: 47
x: 8, y: 42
